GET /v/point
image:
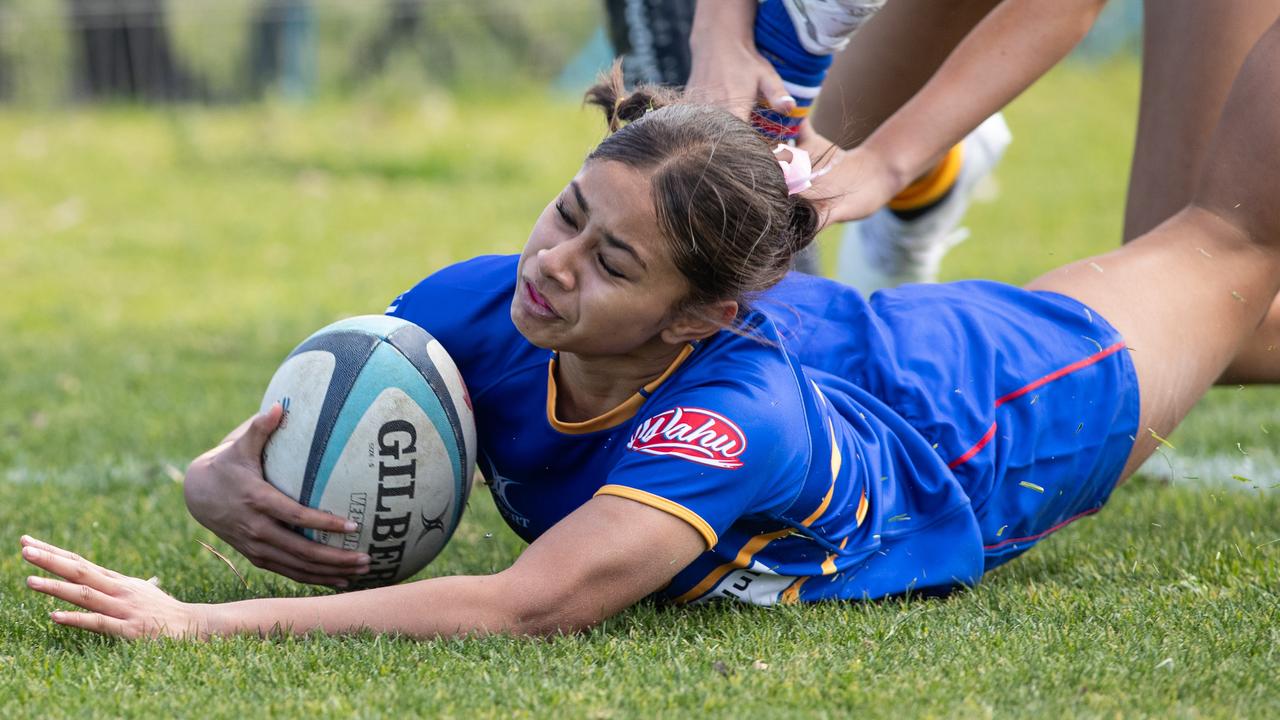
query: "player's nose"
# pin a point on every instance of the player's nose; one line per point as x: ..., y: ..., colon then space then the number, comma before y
x: 556, y: 263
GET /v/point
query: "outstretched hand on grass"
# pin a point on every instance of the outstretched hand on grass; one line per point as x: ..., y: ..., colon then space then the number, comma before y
x: 116, y: 604
x: 227, y: 493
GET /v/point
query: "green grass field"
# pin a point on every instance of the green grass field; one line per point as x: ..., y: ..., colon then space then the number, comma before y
x: 156, y: 266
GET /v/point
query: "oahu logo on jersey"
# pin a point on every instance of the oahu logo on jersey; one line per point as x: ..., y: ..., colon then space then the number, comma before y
x: 694, y: 434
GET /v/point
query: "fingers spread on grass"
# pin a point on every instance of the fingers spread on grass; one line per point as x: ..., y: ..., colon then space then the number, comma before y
x: 28, y: 541
x: 82, y: 595
x: 94, y: 622
x: 79, y: 571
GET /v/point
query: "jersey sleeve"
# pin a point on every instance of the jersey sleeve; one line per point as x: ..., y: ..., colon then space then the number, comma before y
x: 712, y: 458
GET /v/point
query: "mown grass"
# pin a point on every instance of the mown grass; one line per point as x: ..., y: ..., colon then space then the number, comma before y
x: 156, y: 266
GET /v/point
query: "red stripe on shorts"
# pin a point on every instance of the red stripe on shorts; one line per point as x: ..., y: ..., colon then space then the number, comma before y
x: 1060, y: 372
x: 1039, y: 535
x: 1078, y: 365
x: 977, y: 447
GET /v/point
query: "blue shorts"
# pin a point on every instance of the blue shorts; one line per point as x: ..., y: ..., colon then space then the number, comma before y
x: 1030, y: 397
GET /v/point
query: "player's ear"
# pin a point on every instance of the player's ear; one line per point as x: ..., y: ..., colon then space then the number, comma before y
x: 694, y: 324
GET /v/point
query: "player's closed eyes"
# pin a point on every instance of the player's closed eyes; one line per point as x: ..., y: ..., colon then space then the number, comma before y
x: 608, y: 268
x: 573, y: 224
x: 565, y: 216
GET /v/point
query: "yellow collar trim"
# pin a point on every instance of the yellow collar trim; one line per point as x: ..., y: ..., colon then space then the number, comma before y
x: 614, y: 417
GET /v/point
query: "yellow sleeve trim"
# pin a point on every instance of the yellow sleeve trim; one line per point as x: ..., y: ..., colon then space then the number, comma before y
x: 665, y: 505
x: 743, y: 559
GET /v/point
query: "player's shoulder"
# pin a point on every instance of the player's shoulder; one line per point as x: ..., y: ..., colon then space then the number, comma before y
x: 467, y: 308
x: 480, y: 273
x: 486, y: 274
x: 746, y: 382
x: 476, y: 290
x: 754, y: 354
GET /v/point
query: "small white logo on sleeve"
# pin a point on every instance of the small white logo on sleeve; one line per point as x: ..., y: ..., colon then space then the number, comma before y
x: 693, y: 434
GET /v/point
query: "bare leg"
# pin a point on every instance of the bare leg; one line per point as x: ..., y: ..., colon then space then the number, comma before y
x: 1187, y: 294
x: 1192, y: 50
x: 888, y: 61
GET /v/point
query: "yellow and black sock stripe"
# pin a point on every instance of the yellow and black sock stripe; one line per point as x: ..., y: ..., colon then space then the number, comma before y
x: 929, y: 189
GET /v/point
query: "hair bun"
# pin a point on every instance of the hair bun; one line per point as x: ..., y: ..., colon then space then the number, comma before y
x: 802, y: 224
x: 620, y: 106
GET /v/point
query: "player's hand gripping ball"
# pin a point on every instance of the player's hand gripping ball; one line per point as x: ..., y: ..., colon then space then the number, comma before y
x: 378, y: 429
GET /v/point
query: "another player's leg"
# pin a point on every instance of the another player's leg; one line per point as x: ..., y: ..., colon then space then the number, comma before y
x: 1188, y: 293
x: 652, y: 37
x: 1191, y: 52
x: 799, y: 38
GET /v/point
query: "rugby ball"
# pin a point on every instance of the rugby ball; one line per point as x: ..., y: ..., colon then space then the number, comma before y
x: 377, y: 428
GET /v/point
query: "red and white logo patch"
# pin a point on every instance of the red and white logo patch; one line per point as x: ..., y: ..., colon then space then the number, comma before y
x: 694, y: 434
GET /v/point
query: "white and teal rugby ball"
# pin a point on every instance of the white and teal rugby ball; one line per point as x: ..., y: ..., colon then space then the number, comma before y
x: 377, y: 428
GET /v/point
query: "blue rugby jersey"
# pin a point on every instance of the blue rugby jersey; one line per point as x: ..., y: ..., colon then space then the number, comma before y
x: 803, y: 485
x: 848, y: 449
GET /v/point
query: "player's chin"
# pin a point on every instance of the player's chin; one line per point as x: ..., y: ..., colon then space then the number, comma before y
x: 539, y: 331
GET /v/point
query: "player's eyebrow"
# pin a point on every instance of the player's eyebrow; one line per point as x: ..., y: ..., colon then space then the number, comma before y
x: 577, y: 194
x: 610, y: 239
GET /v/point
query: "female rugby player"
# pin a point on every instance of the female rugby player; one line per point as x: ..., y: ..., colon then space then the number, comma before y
x: 663, y: 418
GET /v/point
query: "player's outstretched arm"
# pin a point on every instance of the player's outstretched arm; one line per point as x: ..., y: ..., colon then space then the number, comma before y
x: 602, y: 558
x: 1005, y: 53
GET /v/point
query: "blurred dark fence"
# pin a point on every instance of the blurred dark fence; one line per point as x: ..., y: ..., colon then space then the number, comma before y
x: 232, y: 50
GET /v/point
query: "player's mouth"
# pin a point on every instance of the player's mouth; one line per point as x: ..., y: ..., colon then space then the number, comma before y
x: 536, y: 304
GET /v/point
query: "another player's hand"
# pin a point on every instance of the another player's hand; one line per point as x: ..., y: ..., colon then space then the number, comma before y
x: 116, y: 604
x: 858, y: 183
x: 227, y: 493
x: 727, y: 72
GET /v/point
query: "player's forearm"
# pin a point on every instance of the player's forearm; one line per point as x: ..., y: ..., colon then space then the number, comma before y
x: 1011, y: 48
x: 722, y: 21
x: 439, y: 607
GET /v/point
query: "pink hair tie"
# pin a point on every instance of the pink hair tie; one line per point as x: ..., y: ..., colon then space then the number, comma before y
x: 798, y: 171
